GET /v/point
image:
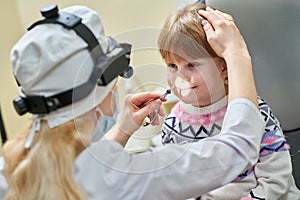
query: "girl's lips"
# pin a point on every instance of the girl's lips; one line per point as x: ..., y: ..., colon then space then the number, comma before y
x: 185, y: 91
x: 189, y: 88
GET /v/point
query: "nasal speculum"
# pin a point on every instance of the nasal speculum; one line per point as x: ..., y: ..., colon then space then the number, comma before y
x: 147, y: 121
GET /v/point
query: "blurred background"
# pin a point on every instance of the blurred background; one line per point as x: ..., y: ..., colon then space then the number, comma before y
x: 270, y: 28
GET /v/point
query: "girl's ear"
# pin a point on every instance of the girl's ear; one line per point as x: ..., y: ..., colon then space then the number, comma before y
x: 223, y: 69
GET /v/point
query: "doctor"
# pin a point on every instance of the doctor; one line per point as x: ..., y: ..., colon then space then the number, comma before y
x: 59, y: 64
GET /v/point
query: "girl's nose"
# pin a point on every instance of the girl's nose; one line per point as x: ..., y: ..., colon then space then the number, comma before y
x: 183, y: 74
x: 181, y: 83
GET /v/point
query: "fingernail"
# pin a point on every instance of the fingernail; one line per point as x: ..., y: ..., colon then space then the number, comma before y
x: 208, y: 8
x: 204, y: 22
x: 158, y: 101
x: 202, y: 12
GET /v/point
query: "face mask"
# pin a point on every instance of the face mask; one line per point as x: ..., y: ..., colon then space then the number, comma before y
x: 105, y: 123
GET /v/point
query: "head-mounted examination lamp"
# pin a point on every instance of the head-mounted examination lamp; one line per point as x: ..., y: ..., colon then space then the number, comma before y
x: 106, y: 66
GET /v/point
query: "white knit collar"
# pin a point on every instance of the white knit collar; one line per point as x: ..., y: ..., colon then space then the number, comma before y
x: 206, y: 109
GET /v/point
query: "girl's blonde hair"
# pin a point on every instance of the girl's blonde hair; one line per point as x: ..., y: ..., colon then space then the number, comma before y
x: 183, y: 35
x: 45, y: 171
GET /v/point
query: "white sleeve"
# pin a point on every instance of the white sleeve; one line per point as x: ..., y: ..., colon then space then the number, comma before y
x: 106, y: 170
x: 273, y: 174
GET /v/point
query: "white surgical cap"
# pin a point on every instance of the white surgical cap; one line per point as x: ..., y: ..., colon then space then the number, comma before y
x: 50, y: 59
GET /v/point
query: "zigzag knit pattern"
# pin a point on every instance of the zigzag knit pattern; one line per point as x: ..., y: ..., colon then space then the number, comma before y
x: 273, y: 139
x: 181, y: 126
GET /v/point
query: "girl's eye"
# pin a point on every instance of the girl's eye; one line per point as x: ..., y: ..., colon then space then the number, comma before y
x: 191, y: 65
x: 172, y: 66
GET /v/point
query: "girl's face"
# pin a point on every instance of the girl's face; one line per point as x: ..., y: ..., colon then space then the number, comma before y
x: 199, y: 82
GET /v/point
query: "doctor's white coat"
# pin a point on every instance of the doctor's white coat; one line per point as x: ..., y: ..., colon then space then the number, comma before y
x: 106, y: 171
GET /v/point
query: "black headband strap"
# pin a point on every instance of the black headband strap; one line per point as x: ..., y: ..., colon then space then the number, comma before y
x: 71, y: 21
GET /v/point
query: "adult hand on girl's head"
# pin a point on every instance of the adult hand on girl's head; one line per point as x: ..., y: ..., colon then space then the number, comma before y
x: 225, y: 38
x: 222, y: 33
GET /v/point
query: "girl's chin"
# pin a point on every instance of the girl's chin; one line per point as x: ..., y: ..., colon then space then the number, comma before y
x: 194, y: 102
x: 189, y: 100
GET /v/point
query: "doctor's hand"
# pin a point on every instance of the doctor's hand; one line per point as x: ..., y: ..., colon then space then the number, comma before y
x: 135, y: 109
x: 222, y: 33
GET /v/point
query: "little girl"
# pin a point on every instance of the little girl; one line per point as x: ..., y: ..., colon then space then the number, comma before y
x: 198, y: 76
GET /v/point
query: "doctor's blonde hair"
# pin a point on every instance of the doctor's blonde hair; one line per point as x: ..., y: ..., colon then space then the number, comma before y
x: 45, y: 171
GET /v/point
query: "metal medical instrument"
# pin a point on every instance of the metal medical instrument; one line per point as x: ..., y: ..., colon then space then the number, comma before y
x: 147, y: 120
